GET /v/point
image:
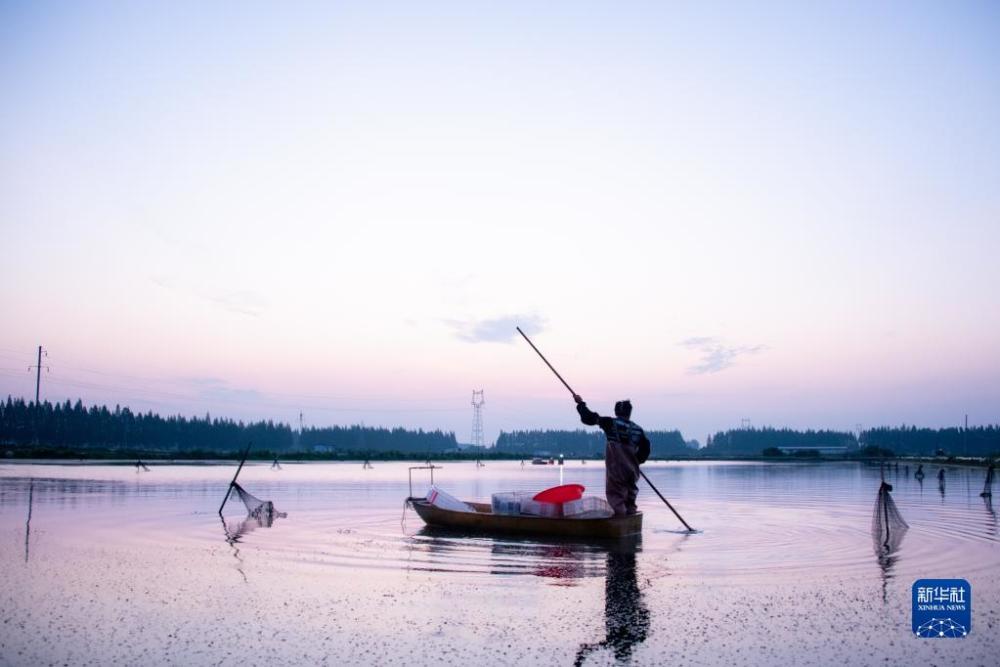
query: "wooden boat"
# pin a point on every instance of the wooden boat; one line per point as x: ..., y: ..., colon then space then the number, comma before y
x: 483, y: 520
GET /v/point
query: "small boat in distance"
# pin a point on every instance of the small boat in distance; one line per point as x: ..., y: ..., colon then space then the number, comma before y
x: 483, y: 520
x: 538, y: 461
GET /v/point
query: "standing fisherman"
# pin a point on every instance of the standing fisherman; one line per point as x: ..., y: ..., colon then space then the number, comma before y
x: 627, y: 447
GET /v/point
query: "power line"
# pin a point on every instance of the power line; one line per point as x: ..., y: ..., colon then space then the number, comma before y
x: 210, y: 381
x: 146, y: 395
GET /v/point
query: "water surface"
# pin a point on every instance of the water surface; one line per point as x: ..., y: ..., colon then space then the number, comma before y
x: 116, y: 565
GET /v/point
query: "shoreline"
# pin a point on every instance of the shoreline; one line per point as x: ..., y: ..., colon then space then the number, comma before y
x: 222, y: 459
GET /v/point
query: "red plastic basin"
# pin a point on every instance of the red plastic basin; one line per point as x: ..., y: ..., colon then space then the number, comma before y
x: 560, y: 494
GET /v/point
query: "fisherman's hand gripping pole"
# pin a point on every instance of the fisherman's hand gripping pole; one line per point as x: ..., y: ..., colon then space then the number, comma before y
x: 576, y: 397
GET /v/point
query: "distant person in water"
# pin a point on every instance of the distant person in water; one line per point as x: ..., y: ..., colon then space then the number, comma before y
x: 626, y: 448
x: 920, y: 471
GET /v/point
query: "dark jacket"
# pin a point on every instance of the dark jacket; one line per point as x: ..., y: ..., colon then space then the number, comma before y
x: 623, y: 432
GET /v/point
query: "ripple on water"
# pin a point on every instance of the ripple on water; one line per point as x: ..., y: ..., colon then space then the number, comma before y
x: 752, y: 521
x: 116, y: 559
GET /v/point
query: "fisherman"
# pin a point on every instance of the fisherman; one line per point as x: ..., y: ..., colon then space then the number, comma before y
x: 627, y: 447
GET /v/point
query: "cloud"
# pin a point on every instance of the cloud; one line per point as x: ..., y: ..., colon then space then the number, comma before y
x: 497, y: 330
x: 715, y: 355
x: 697, y: 341
x: 244, y: 302
x: 216, y: 389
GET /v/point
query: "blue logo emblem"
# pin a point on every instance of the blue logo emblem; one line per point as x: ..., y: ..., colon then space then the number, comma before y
x: 942, y: 608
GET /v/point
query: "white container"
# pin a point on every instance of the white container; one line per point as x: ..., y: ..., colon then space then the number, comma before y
x: 446, y: 501
x: 535, y: 508
x: 588, y: 507
x: 509, y: 502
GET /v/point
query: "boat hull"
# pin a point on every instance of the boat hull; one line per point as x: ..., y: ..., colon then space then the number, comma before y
x: 484, y: 521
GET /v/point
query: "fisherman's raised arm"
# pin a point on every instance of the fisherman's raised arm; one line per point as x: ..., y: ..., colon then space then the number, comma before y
x: 587, y: 416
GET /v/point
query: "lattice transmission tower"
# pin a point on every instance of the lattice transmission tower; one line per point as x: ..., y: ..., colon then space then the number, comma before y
x: 477, y: 417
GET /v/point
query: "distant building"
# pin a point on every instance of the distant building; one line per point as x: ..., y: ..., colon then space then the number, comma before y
x: 466, y: 447
x: 831, y: 450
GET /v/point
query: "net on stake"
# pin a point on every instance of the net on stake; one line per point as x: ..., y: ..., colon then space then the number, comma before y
x: 262, y: 511
x: 888, y: 525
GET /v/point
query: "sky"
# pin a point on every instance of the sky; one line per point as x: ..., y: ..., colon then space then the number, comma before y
x: 781, y: 212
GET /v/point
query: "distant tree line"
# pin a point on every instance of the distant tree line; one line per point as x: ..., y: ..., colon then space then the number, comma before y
x: 74, y: 426
x: 65, y: 429
x: 583, y: 444
x: 753, y: 441
x: 974, y: 441
x: 364, y: 439
x: 877, y: 442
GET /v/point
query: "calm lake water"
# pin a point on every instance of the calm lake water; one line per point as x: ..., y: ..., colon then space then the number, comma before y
x: 119, y: 566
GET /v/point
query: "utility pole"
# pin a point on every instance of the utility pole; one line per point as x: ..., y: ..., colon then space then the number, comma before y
x: 477, y: 417
x: 38, y: 388
x: 38, y: 372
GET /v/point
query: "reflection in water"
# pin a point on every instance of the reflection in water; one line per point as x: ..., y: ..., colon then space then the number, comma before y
x: 886, y: 552
x: 557, y: 561
x: 235, y: 531
x: 233, y: 539
x: 626, y: 617
x: 565, y: 562
x: 988, y: 483
x: 27, y: 524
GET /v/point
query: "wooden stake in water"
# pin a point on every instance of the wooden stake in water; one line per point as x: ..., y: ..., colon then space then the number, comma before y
x: 230, y: 487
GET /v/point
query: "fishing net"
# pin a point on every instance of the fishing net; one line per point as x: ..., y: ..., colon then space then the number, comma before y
x: 261, y: 510
x: 888, y: 525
